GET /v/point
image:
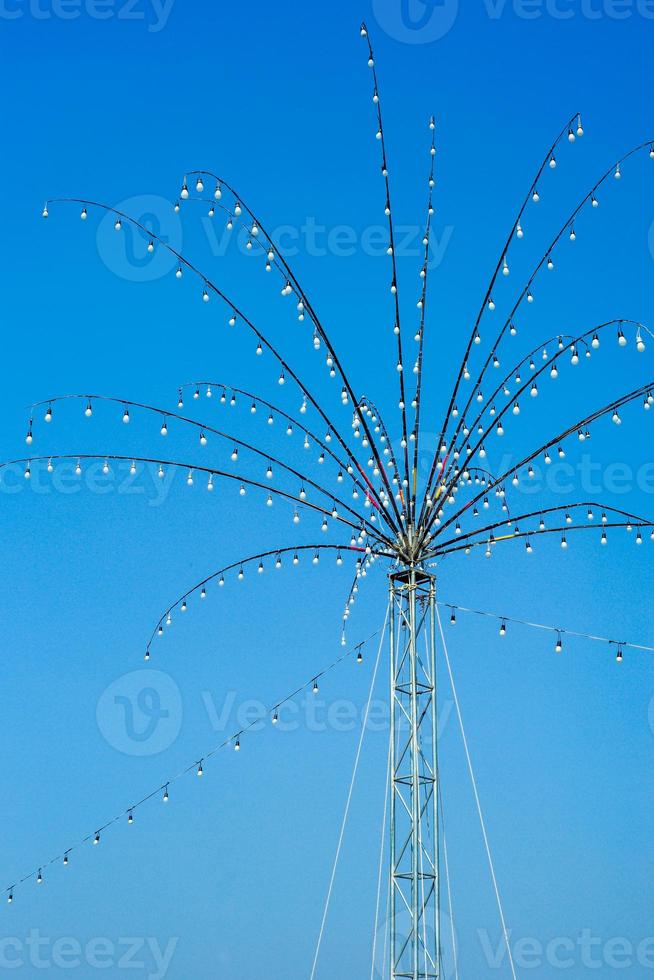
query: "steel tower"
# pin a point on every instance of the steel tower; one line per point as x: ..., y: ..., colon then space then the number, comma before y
x: 414, y: 871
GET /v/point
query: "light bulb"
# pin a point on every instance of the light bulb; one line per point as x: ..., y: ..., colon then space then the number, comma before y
x: 84, y: 214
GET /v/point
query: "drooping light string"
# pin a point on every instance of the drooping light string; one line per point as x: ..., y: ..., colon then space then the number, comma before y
x: 391, y: 251
x: 237, y: 312
x: 565, y: 345
x: 559, y: 439
x: 591, y: 507
x: 181, y: 602
x: 304, y: 306
x: 162, y: 791
x: 176, y: 464
x: 204, y: 429
x: 352, y: 468
x: 526, y: 292
x: 557, y: 631
x: 516, y: 232
x: 422, y: 306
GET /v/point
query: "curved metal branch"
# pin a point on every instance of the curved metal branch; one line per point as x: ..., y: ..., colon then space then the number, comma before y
x: 211, y: 472
x: 515, y: 230
x: 200, y: 587
x: 363, y: 406
x: 578, y: 426
x: 203, y: 430
x: 235, y: 310
x: 394, y: 284
x: 422, y: 303
x: 304, y: 302
x: 530, y: 534
x: 367, y: 488
x: 565, y: 509
x: 589, y: 197
x: 547, y: 366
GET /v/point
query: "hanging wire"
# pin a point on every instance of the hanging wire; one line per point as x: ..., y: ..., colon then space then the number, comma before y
x: 346, y: 813
x: 624, y: 644
x: 162, y: 790
x: 480, y: 814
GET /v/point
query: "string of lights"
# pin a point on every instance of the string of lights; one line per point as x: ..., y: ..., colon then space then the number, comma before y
x: 304, y: 305
x: 422, y: 306
x: 564, y: 345
x: 162, y: 790
x: 512, y: 523
x: 200, y: 588
x: 620, y: 645
x: 580, y: 428
x: 274, y: 410
x: 191, y: 469
x: 545, y: 261
x: 516, y: 232
x: 204, y: 430
x: 237, y: 315
x: 397, y: 328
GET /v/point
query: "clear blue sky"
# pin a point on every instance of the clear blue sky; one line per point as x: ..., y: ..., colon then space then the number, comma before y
x: 115, y: 103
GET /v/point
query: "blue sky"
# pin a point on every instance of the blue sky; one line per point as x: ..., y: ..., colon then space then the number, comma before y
x: 116, y: 103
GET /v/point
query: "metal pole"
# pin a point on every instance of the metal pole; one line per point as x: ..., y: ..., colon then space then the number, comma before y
x: 414, y: 876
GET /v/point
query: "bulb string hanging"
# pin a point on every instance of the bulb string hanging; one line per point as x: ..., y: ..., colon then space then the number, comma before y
x: 241, y: 564
x: 490, y: 543
x: 566, y: 509
x: 307, y: 308
x: 237, y: 312
x: 589, y: 197
x: 212, y: 472
x: 550, y: 362
x: 364, y: 486
x: 394, y: 285
x: 578, y: 634
x: 162, y: 790
x: 367, y: 406
x: 422, y: 304
x: 557, y: 440
x: 203, y: 428
x: 500, y: 262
